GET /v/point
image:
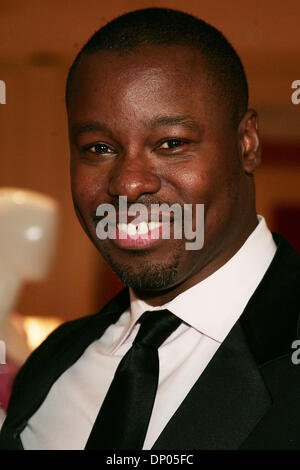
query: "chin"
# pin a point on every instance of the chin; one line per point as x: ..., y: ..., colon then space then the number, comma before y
x: 145, y: 274
x: 152, y: 277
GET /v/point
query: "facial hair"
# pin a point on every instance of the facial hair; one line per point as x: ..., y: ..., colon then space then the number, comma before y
x: 143, y: 274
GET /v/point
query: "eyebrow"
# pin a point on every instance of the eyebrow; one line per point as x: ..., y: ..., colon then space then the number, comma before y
x: 184, y: 120
x: 158, y: 121
x: 81, y: 128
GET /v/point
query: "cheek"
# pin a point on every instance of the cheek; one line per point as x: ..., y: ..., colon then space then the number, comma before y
x: 86, y: 185
x: 192, y: 183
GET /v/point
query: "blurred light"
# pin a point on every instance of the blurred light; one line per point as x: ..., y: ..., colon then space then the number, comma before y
x: 19, y: 197
x: 33, y: 233
x: 38, y: 328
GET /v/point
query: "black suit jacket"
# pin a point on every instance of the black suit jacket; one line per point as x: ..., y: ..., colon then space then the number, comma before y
x: 246, y: 398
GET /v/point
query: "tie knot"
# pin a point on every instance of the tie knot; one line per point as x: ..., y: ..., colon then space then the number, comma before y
x: 156, y: 326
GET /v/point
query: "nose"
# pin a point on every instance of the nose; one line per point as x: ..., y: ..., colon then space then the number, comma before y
x: 133, y: 178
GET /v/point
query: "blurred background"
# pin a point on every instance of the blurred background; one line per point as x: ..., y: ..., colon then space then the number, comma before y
x: 39, y: 40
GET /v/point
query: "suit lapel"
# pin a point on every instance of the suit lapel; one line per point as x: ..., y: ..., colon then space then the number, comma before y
x: 224, y: 405
x: 230, y: 397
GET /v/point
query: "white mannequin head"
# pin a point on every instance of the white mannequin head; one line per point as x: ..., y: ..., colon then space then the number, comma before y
x: 28, y: 229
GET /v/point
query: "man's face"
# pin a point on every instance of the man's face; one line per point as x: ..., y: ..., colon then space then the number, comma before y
x: 149, y: 125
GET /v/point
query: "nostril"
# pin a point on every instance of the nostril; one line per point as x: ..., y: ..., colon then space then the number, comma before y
x: 133, y: 184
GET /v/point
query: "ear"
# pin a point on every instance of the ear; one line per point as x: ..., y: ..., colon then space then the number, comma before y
x: 249, y: 141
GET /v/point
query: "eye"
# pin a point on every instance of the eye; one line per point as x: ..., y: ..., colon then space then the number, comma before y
x: 171, y: 144
x: 99, y: 148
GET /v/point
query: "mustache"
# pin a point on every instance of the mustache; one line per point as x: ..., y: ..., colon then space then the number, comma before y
x: 146, y: 200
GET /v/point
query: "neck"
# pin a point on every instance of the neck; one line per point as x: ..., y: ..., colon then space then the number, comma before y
x: 9, y: 291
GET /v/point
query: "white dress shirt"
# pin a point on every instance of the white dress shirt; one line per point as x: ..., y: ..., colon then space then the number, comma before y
x: 209, y: 310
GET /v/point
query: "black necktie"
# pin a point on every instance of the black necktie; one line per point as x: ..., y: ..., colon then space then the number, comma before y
x: 123, y: 419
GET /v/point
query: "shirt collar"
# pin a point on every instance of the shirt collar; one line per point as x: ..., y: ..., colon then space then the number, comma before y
x: 214, y: 305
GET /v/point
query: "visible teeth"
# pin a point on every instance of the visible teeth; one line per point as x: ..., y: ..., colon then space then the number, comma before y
x: 153, y: 225
x: 141, y: 229
x: 131, y: 229
x: 122, y: 227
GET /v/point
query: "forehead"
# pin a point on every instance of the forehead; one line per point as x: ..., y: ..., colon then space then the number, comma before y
x: 146, y: 80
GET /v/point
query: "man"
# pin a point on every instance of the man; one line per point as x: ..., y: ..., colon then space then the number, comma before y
x: 157, y: 108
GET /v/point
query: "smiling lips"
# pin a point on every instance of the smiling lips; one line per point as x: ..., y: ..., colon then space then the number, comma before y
x: 143, y: 235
